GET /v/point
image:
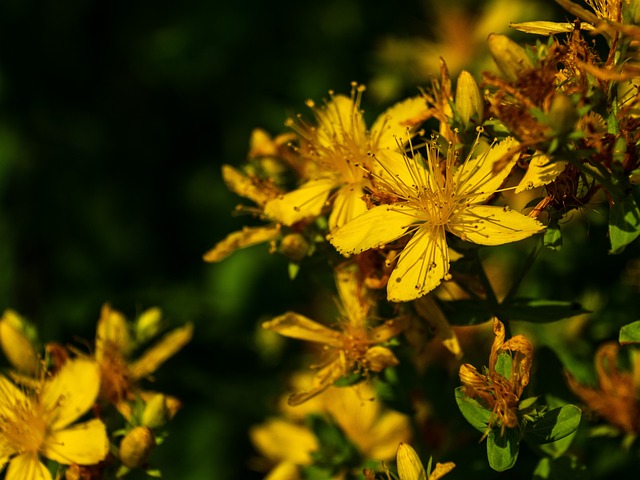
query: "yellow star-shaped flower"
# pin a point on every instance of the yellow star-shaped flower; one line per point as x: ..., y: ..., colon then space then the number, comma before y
x: 338, y: 146
x: 352, y: 347
x: 428, y: 201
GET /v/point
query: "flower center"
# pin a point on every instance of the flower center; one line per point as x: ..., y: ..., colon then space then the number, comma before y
x: 24, y: 427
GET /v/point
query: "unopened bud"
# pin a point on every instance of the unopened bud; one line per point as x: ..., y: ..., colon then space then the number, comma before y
x: 469, y: 104
x: 136, y: 447
x: 16, y: 344
x: 378, y: 358
x: 511, y: 58
x: 155, y: 413
x: 148, y: 324
x: 294, y: 246
x: 562, y: 114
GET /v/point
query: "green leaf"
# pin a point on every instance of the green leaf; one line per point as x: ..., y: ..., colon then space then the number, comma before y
x: 624, y: 223
x: 553, y: 425
x: 630, y: 333
x: 503, y: 365
x: 476, y: 414
x: 466, y: 312
x: 541, y: 311
x: 562, y: 468
x: 502, y: 450
x: 553, y: 236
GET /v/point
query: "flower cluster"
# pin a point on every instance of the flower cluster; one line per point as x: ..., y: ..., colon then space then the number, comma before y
x: 48, y: 391
x: 408, y: 212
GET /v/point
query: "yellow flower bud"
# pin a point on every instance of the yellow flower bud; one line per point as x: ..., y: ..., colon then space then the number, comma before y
x: 409, y: 464
x: 15, y: 343
x: 294, y: 246
x: 510, y: 57
x: 155, y: 412
x: 562, y: 114
x: 469, y: 104
x: 148, y: 324
x: 136, y: 447
x: 379, y: 358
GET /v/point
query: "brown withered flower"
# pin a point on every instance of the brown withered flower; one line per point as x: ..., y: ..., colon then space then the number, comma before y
x: 499, y: 393
x: 615, y: 398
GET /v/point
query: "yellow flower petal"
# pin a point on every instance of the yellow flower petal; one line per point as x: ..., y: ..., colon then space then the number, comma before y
x: 246, y: 237
x: 165, y: 348
x: 347, y: 205
x: 298, y: 326
x: 541, y: 171
x: 375, y: 227
x: 390, y: 429
x: 280, y: 440
x: 478, y: 177
x: 490, y: 225
x: 10, y: 395
x: 441, y: 470
x: 27, y: 467
x: 242, y: 185
x: 84, y: 444
x: 71, y: 392
x: 398, y: 123
x: 284, y: 471
x: 339, y: 121
x: 323, y: 379
x: 353, y: 295
x: 112, y: 330
x: 423, y: 264
x: 409, y: 464
x: 306, y: 201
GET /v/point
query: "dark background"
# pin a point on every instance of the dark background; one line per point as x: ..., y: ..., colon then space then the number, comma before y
x: 115, y: 117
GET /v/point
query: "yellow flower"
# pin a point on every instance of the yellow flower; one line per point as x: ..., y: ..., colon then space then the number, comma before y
x: 616, y: 398
x: 40, y: 422
x: 353, y: 347
x: 499, y: 393
x: 339, y: 146
x: 410, y: 467
x: 120, y: 374
x: 430, y: 202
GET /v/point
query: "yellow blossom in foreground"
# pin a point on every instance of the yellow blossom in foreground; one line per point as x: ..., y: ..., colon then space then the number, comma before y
x: 499, y: 393
x: 616, y: 398
x: 120, y: 374
x: 428, y: 202
x: 352, y: 347
x: 40, y: 422
x: 410, y: 467
x: 339, y: 146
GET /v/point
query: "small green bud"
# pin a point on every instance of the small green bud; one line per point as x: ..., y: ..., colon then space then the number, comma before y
x: 136, y: 447
x: 469, y: 103
x: 511, y: 58
x: 148, y: 324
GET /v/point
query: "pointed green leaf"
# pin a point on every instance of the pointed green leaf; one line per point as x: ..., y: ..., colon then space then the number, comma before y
x: 624, y: 223
x: 502, y: 450
x: 477, y: 415
x: 541, y: 311
x: 553, y: 425
x: 630, y: 333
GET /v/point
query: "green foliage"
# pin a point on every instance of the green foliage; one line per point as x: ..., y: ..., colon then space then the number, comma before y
x: 624, y: 223
x: 630, y: 333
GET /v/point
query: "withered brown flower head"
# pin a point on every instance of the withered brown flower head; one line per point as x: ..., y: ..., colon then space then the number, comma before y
x: 499, y: 393
x: 615, y: 398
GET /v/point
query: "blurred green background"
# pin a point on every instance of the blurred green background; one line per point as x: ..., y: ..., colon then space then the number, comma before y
x: 115, y: 117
